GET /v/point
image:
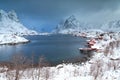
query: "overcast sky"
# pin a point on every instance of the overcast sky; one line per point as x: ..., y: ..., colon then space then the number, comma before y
x: 46, y: 14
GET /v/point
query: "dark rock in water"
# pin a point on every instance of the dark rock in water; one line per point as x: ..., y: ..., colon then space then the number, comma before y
x: 87, y: 52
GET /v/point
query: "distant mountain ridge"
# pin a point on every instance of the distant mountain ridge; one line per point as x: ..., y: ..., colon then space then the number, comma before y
x: 9, y: 23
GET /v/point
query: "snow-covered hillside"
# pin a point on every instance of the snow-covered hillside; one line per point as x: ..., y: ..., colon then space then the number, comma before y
x: 9, y: 23
x: 113, y: 26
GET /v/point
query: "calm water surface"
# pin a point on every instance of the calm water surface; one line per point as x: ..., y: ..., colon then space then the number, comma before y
x: 55, y: 48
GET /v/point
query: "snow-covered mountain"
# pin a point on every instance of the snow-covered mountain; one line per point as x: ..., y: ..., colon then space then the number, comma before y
x: 70, y: 25
x: 9, y: 23
x: 112, y: 26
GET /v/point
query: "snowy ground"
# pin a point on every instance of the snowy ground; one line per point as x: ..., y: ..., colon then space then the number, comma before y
x: 11, y: 39
x: 104, y: 65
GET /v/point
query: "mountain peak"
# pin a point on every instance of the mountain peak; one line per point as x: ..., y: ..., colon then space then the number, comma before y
x: 71, y: 25
x: 2, y: 11
x: 71, y: 22
x: 12, y: 15
x: 71, y: 18
x: 9, y: 23
x: 3, y: 15
x: 68, y: 25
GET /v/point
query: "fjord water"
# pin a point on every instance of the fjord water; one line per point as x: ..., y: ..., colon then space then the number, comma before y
x: 55, y: 48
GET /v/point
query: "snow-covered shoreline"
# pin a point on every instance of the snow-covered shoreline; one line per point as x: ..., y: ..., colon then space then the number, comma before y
x: 11, y: 39
x: 104, y: 64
